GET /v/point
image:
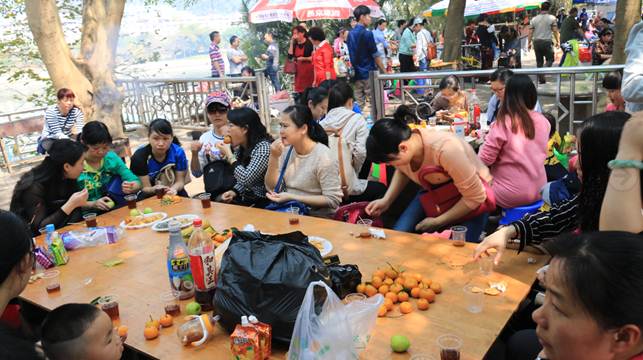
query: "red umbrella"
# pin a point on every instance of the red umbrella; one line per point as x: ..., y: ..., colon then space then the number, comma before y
x: 304, y: 10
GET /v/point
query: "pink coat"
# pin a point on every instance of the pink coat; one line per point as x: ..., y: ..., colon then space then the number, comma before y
x: 516, y: 162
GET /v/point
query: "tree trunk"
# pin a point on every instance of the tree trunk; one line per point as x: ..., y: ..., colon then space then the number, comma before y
x: 628, y: 13
x: 454, y: 30
x: 91, y: 75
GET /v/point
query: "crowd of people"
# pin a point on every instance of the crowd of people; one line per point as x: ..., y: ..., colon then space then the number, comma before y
x: 322, y: 159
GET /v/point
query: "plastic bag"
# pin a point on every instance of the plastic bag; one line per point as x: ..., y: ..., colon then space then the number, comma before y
x: 266, y: 276
x: 344, y: 278
x: 338, y: 332
x: 87, y: 238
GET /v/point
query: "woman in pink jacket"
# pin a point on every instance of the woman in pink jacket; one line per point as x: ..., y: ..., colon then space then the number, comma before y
x: 516, y: 146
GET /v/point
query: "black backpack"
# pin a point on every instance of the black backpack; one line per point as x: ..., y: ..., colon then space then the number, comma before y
x: 218, y: 177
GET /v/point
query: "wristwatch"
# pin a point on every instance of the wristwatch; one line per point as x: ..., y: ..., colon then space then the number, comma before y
x: 513, y: 244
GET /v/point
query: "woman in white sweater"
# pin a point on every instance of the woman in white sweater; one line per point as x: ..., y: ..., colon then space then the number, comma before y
x: 312, y: 173
x: 351, y: 127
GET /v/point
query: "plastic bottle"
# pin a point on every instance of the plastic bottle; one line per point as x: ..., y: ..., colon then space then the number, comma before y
x: 201, y: 250
x: 474, y: 110
x: 178, y: 263
x: 197, y: 330
x: 49, y: 229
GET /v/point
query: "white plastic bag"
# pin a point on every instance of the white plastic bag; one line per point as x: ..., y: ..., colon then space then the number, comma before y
x: 338, y: 332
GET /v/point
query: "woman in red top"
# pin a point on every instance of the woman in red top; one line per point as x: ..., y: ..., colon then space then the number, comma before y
x: 322, y: 56
x: 301, y: 50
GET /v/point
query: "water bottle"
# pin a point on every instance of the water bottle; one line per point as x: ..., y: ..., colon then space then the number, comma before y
x: 49, y: 230
x: 178, y: 263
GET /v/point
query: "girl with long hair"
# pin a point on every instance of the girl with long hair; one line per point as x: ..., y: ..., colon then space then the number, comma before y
x: 516, y: 146
x: 312, y: 174
x: 251, y: 142
x: 48, y: 193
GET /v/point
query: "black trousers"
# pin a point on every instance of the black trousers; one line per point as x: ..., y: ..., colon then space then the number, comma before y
x: 406, y: 65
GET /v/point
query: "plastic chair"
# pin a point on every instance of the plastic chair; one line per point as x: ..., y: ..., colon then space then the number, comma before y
x: 512, y: 214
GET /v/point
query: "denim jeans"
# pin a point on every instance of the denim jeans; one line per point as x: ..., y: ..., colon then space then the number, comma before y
x: 423, y: 66
x: 274, y: 78
x: 414, y: 213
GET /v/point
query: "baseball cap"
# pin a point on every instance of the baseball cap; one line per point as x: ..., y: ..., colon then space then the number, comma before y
x: 218, y: 97
x: 417, y: 21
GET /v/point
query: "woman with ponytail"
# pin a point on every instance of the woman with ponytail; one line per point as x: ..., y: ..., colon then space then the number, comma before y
x: 391, y: 141
x: 317, y: 101
x: 48, y: 193
x: 161, y: 165
x: 312, y: 173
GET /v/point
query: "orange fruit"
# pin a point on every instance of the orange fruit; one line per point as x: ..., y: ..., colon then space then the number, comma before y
x: 361, y: 288
x: 150, y: 332
x: 377, y: 282
x: 382, y: 311
x: 417, y: 277
x: 423, y: 304
x: 427, y: 283
x: 392, y: 296
x: 122, y: 331
x: 396, y: 288
x: 436, y: 288
x: 410, y: 283
x: 379, y: 273
x: 391, y: 273
x: 427, y: 294
x: 415, y: 292
x: 406, y: 307
x: 166, y: 320
x: 388, y: 303
x: 383, y: 289
x: 403, y: 296
x: 370, y: 290
x: 399, y: 280
x: 388, y: 281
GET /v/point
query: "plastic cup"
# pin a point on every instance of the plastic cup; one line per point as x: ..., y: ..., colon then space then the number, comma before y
x: 206, y: 203
x: 353, y: 297
x: 486, y: 265
x: 90, y: 220
x: 294, y: 212
x: 458, y: 235
x: 474, y: 298
x: 52, y: 281
x: 131, y: 201
x: 450, y: 346
x: 171, y: 303
x: 365, y: 224
x: 109, y: 304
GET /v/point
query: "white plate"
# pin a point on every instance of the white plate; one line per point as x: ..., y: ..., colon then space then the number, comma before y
x: 327, y: 246
x: 185, y: 220
x: 164, y: 215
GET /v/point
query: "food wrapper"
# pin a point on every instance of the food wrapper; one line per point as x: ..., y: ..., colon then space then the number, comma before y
x: 244, y: 343
x: 44, y: 258
x: 59, y: 252
x: 91, y: 237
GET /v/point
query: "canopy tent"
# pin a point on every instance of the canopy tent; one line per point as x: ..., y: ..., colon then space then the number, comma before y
x: 286, y: 10
x: 595, y: 2
x: 477, y: 7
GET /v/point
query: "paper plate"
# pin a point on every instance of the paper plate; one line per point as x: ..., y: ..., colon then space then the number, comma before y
x: 185, y: 221
x: 154, y: 214
x: 325, y: 246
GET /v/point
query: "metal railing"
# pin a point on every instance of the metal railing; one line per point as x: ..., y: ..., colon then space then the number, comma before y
x: 182, y: 101
x: 566, y: 96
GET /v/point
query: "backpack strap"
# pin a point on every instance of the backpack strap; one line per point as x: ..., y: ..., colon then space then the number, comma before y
x: 340, y: 157
x: 283, y: 170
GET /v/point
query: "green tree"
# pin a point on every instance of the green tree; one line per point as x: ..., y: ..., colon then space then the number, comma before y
x: 453, y: 32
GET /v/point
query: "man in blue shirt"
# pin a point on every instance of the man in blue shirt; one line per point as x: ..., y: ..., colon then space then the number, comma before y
x: 380, y: 40
x: 498, y: 80
x: 364, y: 55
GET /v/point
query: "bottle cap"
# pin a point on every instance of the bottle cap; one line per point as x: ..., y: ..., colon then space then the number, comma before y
x: 244, y: 320
x: 50, y: 227
x: 197, y: 222
x: 253, y: 319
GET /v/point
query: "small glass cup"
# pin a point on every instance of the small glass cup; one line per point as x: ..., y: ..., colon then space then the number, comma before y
x: 109, y: 304
x: 206, y: 203
x: 90, y: 220
x: 131, y: 201
x: 364, y: 224
x: 52, y: 281
x: 294, y: 212
x: 458, y: 235
x: 171, y: 303
x: 474, y: 298
x: 486, y: 265
x: 353, y: 297
x: 450, y: 346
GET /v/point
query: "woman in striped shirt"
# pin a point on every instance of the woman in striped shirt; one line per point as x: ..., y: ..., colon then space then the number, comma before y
x: 62, y: 121
x: 597, y: 144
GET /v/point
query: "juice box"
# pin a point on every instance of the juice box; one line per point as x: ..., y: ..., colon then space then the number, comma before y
x: 244, y: 342
x: 265, y: 336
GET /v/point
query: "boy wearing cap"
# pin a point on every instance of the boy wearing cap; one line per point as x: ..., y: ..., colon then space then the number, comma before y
x: 205, y: 150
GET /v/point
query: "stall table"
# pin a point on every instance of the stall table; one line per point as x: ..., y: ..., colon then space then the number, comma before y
x: 143, y: 277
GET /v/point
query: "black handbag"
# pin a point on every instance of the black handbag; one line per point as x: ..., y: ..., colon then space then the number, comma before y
x: 218, y: 177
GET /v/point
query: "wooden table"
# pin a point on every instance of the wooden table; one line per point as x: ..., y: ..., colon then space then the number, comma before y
x: 141, y: 279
